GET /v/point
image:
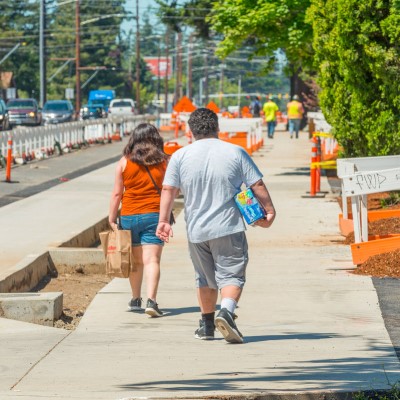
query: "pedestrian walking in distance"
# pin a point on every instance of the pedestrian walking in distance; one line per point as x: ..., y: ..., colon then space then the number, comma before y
x: 210, y: 172
x: 138, y: 179
x: 295, y: 113
x: 270, y: 109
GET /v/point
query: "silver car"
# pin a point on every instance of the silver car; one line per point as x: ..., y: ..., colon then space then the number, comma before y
x: 58, y: 111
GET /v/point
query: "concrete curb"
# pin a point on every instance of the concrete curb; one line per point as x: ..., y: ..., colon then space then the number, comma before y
x: 26, y: 274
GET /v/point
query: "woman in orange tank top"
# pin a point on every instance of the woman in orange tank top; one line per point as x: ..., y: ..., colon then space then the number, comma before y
x: 143, y: 161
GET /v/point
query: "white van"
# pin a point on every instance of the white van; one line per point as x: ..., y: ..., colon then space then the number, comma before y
x: 122, y: 107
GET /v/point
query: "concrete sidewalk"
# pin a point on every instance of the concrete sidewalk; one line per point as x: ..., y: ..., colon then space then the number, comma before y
x: 310, y: 326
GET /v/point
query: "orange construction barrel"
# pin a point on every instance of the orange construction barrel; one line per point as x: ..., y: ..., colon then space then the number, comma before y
x: 171, y: 147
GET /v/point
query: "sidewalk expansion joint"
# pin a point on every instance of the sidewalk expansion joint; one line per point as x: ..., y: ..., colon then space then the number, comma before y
x: 38, y: 361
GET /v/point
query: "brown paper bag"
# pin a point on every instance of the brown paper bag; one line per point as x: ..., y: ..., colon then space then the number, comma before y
x: 117, y: 251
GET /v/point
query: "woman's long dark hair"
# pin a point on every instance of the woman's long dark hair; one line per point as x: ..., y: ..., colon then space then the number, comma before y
x: 145, y: 146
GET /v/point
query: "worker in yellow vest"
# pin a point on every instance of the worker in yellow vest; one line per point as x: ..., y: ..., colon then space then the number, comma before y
x: 295, y: 113
x: 270, y: 109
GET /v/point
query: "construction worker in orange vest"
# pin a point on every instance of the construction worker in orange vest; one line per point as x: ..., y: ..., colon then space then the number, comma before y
x: 295, y: 113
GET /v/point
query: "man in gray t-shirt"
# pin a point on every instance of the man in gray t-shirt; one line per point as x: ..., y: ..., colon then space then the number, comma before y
x: 209, y: 173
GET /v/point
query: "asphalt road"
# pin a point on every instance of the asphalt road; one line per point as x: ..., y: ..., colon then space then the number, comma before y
x: 388, y: 290
x: 37, y: 176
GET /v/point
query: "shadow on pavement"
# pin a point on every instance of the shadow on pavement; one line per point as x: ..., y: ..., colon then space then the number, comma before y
x: 344, y: 374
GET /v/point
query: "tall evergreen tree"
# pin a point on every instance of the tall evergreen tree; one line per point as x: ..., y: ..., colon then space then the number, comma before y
x: 19, y: 24
x: 101, y: 46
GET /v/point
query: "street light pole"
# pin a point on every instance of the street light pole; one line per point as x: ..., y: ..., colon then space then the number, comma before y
x: 77, y: 58
x: 137, y: 58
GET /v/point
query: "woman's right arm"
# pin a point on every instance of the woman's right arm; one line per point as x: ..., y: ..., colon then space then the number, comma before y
x: 116, y: 194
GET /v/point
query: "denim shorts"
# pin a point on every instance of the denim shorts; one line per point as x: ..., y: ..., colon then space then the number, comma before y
x: 143, y: 228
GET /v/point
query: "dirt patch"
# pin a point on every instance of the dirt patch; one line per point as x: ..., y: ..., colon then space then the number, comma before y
x: 78, y: 291
x: 385, y: 264
x: 381, y: 265
x: 378, y: 201
x: 380, y: 227
x: 79, y: 288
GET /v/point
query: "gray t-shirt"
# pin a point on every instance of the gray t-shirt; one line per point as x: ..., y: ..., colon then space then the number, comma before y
x: 209, y: 173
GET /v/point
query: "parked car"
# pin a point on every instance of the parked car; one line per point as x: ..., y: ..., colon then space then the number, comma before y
x: 4, y: 119
x: 122, y: 107
x: 57, y: 111
x: 92, y: 111
x: 24, y: 112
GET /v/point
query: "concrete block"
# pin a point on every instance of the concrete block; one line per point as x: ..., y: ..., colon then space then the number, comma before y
x: 38, y: 308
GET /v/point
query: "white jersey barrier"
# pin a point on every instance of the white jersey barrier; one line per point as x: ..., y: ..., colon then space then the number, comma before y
x: 37, y: 142
x: 251, y: 126
x: 363, y: 176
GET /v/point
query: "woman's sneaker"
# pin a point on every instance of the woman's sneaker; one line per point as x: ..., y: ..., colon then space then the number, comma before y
x: 152, y: 309
x: 226, y: 325
x: 206, y: 330
x: 135, y: 305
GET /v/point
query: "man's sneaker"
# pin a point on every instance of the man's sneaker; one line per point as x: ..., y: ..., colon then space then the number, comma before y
x: 226, y: 325
x: 152, y: 309
x: 206, y: 330
x: 135, y: 304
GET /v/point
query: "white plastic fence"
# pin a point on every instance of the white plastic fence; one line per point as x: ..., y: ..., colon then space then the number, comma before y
x: 42, y: 138
x: 252, y: 127
x: 362, y: 176
x: 165, y: 119
x: 319, y: 120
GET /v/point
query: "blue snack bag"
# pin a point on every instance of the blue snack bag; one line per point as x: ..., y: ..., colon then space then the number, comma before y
x: 249, y: 206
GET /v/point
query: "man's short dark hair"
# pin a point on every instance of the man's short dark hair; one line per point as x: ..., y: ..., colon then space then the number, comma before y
x: 203, y: 122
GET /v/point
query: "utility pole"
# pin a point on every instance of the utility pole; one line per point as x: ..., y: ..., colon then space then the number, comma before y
x: 167, y: 70
x: 189, y: 68
x: 130, y: 80
x: 179, y: 67
x: 137, y: 58
x: 176, y: 69
x: 239, y: 94
x: 221, y: 86
x: 206, y: 77
x: 158, y: 72
x: 77, y: 58
x: 42, y: 53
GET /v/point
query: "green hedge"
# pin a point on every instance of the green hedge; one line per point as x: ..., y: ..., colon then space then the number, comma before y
x: 357, y: 45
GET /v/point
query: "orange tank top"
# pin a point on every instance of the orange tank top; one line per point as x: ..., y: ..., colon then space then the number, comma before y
x: 140, y: 196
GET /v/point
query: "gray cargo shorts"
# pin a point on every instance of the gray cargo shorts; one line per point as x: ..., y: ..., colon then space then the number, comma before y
x: 220, y: 262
